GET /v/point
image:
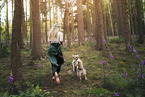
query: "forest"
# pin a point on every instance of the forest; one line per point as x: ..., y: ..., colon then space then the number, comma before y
x: 108, y: 36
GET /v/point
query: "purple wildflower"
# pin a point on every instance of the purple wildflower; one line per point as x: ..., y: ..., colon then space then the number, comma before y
x: 139, y: 75
x: 134, y: 50
x: 112, y: 57
x: 142, y: 76
x: 6, y: 34
x: 116, y: 94
x: 138, y: 68
x: 103, y: 62
x: 125, y: 74
x: 106, y: 75
x: 129, y: 48
x: 137, y: 56
x: 143, y: 63
x: 11, y: 79
x: 133, y: 68
x: 40, y: 66
x: 104, y: 41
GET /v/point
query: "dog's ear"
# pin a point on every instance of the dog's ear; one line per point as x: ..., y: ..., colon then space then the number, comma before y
x: 77, y: 56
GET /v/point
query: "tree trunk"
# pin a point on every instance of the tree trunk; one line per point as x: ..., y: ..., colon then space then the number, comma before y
x: 64, y: 25
x: 0, y: 28
x: 7, y: 23
x: 23, y: 29
x: 109, y: 5
x: 93, y: 20
x: 56, y: 13
x: 67, y: 25
x: 12, y: 10
x: 36, y: 50
x: 50, y: 13
x: 99, y: 27
x: 31, y: 26
x: 46, y: 36
x: 126, y: 33
x: 139, y: 21
x: 131, y: 17
x: 42, y: 30
x: 15, y: 48
x: 72, y: 24
x: 80, y: 22
x: 53, y: 12
x: 119, y: 16
x: 88, y: 21
x: 105, y: 20
x: 26, y: 24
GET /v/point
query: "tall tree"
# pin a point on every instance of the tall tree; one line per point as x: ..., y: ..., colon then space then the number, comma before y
x: 67, y: 24
x: 56, y: 13
x: 104, y: 18
x: 15, y: 48
x: 99, y: 27
x: 139, y: 21
x: 80, y: 22
x: 46, y: 36
x: 110, y: 17
x: 12, y: 9
x: 131, y: 8
x: 31, y: 26
x: 93, y: 18
x: 7, y: 22
x: 50, y: 13
x: 64, y: 24
x: 42, y: 30
x: 36, y: 49
x: 23, y: 29
x: 53, y: 11
x: 126, y: 33
x: 0, y: 28
x: 119, y: 16
x: 72, y: 23
x: 88, y: 21
x: 26, y: 23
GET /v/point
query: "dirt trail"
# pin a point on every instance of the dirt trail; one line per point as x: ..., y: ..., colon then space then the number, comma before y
x: 70, y: 84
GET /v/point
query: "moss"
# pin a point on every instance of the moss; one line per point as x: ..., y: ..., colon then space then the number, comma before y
x: 92, y: 61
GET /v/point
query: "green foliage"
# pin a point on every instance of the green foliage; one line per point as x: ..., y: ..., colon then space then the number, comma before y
x: 116, y: 82
x: 117, y: 40
x: 135, y: 89
x: 98, y: 91
x: 3, y: 50
x: 131, y: 82
x: 33, y: 91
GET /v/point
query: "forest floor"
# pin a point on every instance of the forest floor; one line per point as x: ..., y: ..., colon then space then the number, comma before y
x: 39, y: 71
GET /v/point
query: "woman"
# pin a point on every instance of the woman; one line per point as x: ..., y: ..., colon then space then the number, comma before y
x: 54, y: 51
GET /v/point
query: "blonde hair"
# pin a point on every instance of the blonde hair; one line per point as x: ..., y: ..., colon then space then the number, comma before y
x: 53, y: 33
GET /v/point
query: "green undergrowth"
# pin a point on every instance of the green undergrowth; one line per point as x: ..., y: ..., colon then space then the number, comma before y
x: 37, y: 73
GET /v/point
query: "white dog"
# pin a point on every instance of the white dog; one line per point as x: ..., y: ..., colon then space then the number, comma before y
x: 78, y: 66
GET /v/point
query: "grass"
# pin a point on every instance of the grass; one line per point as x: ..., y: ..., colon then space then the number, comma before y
x: 70, y: 85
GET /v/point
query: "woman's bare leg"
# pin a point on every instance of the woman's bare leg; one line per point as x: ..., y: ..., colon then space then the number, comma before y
x: 57, y: 78
x: 53, y: 78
